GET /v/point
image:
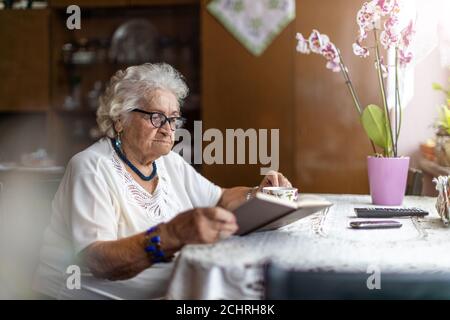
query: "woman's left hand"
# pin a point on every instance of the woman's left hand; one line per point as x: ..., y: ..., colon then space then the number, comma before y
x: 274, y: 179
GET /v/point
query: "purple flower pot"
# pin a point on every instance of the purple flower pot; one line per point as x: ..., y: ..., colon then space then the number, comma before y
x: 387, y: 180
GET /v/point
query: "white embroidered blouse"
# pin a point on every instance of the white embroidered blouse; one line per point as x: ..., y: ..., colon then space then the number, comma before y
x: 98, y: 200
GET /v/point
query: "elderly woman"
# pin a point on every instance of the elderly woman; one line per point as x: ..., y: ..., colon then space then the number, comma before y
x: 127, y: 202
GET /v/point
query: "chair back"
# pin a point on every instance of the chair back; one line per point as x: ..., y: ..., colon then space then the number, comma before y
x: 285, y: 284
x: 414, y: 183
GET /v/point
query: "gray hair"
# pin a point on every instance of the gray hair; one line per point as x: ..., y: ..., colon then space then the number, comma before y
x: 126, y: 91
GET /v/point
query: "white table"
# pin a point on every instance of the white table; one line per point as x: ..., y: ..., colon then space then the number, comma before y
x: 232, y: 269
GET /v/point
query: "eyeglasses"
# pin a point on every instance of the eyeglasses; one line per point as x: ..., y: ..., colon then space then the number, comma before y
x: 159, y: 119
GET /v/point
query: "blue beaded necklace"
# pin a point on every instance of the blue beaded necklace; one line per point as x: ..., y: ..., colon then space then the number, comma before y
x: 116, y: 145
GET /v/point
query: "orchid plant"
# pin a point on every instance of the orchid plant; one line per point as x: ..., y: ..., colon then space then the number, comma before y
x: 382, y: 19
x: 443, y: 123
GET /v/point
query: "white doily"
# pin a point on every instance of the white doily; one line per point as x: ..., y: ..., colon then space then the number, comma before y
x: 255, y: 23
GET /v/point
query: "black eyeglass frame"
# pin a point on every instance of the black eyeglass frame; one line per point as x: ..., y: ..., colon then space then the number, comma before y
x: 166, y: 119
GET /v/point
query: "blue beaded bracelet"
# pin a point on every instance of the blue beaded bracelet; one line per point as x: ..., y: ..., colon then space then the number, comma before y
x: 153, y: 246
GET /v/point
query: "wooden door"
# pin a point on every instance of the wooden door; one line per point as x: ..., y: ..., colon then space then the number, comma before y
x: 240, y: 90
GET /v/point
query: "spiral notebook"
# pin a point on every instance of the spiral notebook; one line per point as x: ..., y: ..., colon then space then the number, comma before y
x: 266, y: 212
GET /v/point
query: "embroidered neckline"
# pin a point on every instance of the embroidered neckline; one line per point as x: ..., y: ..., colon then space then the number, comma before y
x: 128, y: 177
x: 154, y: 204
x: 117, y: 149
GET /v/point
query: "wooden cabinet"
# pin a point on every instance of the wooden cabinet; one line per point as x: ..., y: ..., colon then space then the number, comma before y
x: 173, y: 31
x: 47, y: 101
x: 87, y: 3
x: 117, y: 3
x: 162, y: 2
x: 24, y: 60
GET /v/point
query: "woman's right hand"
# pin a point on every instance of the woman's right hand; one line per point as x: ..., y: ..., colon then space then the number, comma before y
x: 125, y: 258
x: 200, y: 225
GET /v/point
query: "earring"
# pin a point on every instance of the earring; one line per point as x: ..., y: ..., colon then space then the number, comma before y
x: 118, y: 142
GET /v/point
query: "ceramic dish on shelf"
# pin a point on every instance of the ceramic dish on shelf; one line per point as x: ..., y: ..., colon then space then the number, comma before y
x: 134, y: 42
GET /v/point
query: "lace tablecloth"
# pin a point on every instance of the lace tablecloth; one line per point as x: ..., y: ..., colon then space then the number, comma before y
x: 232, y: 269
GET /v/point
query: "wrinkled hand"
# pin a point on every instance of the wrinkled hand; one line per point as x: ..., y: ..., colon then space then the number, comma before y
x: 202, y: 225
x: 274, y: 179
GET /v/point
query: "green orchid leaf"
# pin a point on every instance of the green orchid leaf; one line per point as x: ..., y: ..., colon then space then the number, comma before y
x: 374, y: 123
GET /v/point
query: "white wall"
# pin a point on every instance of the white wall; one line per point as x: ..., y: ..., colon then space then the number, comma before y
x: 421, y: 113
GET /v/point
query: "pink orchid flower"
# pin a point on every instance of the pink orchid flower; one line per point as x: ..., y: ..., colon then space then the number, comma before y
x: 302, y: 44
x: 395, y: 12
x: 385, y: 6
x: 391, y: 23
x: 320, y: 44
x: 317, y: 41
x: 359, y: 50
x: 329, y: 51
x: 362, y: 34
x: 367, y: 16
x: 388, y: 38
x: 334, y: 65
x: 405, y: 57
x: 407, y: 34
